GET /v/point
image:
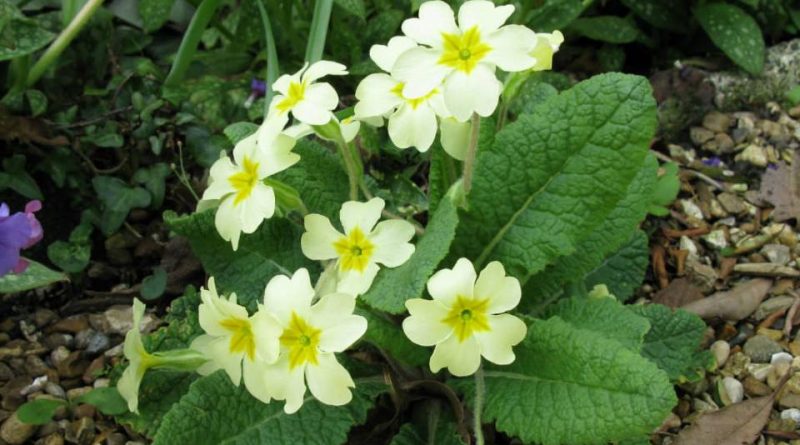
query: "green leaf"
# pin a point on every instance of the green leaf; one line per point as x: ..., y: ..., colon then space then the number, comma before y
x: 665, y: 190
x: 22, y: 36
x: 793, y: 95
x: 393, y: 287
x: 36, y: 275
x: 606, y: 317
x: 435, y: 425
x: 37, y: 102
x: 271, y: 250
x: 39, y: 411
x: 204, y: 147
x: 105, y: 140
x: 353, y: 7
x: 153, y: 178
x: 107, y: 400
x: 214, y: 412
x: 441, y: 175
x: 554, y: 14
x: 18, y: 179
x: 670, y: 16
x: 70, y: 257
x: 239, y: 130
x: 591, y: 252
x: 153, y: 286
x: 735, y: 32
x: 118, y: 199
x: 386, y: 334
x: 532, y: 94
x: 319, y: 178
x: 554, y: 175
x: 623, y: 271
x: 155, y: 13
x: 606, y: 28
x: 569, y: 385
x: 673, y: 342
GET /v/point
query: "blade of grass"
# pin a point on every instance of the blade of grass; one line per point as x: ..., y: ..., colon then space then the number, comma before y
x: 319, y: 30
x: 273, y: 69
x: 203, y: 15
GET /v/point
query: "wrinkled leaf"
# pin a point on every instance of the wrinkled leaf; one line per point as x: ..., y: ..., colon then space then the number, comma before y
x: 623, y: 271
x: 606, y: 28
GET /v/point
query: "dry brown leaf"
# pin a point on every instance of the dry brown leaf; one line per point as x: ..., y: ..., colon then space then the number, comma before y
x: 732, y: 305
x: 680, y: 292
x: 781, y: 188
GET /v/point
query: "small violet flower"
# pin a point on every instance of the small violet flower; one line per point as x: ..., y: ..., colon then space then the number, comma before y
x: 258, y: 89
x: 18, y: 231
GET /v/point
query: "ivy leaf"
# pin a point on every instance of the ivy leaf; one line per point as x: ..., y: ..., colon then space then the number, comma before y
x: 271, y: 250
x: 673, y: 342
x: 623, y: 271
x: 554, y: 175
x: 606, y: 28
x: 670, y: 16
x: 39, y: 411
x: 735, y: 32
x: 36, y: 275
x: 353, y: 7
x: 117, y: 200
x: 153, y: 286
x: 155, y: 13
x: 214, y: 411
x: 604, y: 316
x: 393, y: 287
x: 16, y: 178
x: 153, y: 178
x: 612, y: 234
x: 554, y: 14
x: 70, y: 257
x: 21, y: 36
x: 569, y: 385
x: 319, y: 178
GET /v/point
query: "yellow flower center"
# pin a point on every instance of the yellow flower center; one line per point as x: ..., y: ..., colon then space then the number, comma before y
x: 245, y: 180
x: 242, y: 339
x: 414, y: 103
x: 463, y: 52
x: 301, y: 339
x: 467, y: 316
x: 297, y: 91
x: 543, y: 52
x: 354, y: 250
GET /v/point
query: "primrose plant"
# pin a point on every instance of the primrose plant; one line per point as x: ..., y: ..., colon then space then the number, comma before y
x: 497, y: 310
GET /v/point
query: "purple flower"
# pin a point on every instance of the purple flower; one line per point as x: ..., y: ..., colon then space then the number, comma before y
x: 18, y: 231
x: 713, y: 161
x: 257, y: 87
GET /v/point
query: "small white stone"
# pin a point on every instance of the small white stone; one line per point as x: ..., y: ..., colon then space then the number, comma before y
x: 687, y: 244
x: 691, y: 209
x: 716, y: 239
x: 734, y: 389
x: 791, y: 413
x: 721, y: 350
x: 759, y: 371
x: 754, y: 155
x: 781, y: 357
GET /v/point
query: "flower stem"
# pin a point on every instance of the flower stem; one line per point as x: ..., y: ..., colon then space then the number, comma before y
x: 351, y: 167
x: 62, y: 41
x: 480, y: 388
x: 472, y: 149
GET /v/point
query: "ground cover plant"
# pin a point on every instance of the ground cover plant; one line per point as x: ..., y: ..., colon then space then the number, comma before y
x: 411, y: 227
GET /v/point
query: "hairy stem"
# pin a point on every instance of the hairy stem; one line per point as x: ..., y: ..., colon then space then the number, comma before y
x: 351, y: 167
x: 472, y: 149
x: 480, y: 388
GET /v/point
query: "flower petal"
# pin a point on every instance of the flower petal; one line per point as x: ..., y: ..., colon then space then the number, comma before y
x: 323, y: 68
x: 278, y: 155
x: 317, y: 103
x: 281, y: 85
x: 329, y: 381
x: 413, y: 127
x: 505, y: 332
x: 284, y: 295
x: 260, y: 205
x: 419, y: 69
x: 460, y: 358
x: 217, y: 350
x: 356, y: 283
x: 283, y: 383
x: 455, y: 137
x: 512, y: 46
x: 502, y: 291
x: 386, y: 55
x: 253, y: 376
x: 219, y: 186
x: 228, y: 222
x: 331, y: 310
x: 333, y: 315
x: 476, y: 92
x: 447, y: 284
x: 319, y: 237
x: 435, y: 18
x: 266, y: 332
x: 375, y: 96
x: 483, y: 14
x: 363, y: 215
x: 128, y: 385
x: 424, y: 326
x: 391, y: 239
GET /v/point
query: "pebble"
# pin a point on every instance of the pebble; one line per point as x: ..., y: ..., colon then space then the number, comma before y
x: 5, y: 372
x: 721, y: 351
x: 115, y: 320
x: 54, y: 439
x: 73, y: 324
x: 772, y: 305
x: 43, y: 317
x: 717, y: 122
x: 56, y: 339
x: 81, y: 431
x: 791, y: 413
x: 777, y: 253
x: 760, y: 348
x: 700, y: 135
x: 767, y: 269
x: 55, y: 390
x: 731, y: 203
x: 74, y: 393
x: 15, y: 432
x: 733, y: 390
x: 716, y: 239
x: 781, y: 357
x: 720, y: 144
x: 92, y: 341
x: 753, y: 154
x: 72, y: 366
x: 755, y: 388
x: 35, y: 365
